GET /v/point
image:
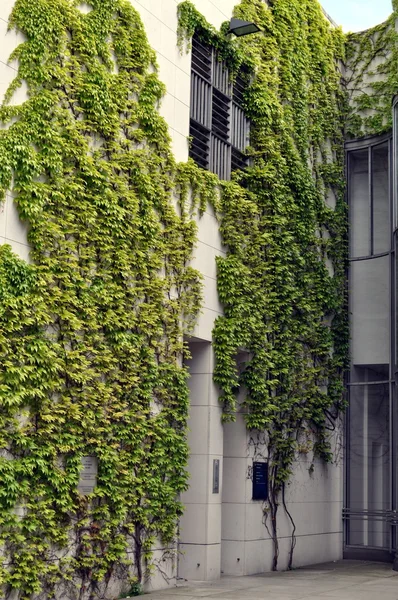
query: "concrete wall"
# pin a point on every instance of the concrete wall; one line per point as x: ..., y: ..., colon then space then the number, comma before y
x: 219, y: 529
x: 314, y: 498
x: 224, y: 531
x: 200, y: 526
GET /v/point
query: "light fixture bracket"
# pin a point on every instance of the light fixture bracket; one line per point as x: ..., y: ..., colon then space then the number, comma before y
x: 241, y: 28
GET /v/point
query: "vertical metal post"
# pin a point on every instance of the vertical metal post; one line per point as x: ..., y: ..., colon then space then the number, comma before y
x: 346, y: 489
x: 393, y: 386
x: 365, y: 450
x: 392, y: 339
x: 370, y: 180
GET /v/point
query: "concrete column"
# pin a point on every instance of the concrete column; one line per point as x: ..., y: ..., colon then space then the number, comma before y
x: 200, y: 526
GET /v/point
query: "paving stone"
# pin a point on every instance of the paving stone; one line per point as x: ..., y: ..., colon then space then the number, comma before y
x: 357, y: 594
x: 341, y: 580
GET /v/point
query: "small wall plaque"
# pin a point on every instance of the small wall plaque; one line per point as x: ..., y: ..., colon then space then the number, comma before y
x: 88, y: 475
x: 216, y: 476
x: 260, y: 481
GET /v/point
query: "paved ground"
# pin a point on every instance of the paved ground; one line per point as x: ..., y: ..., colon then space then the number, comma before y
x: 343, y: 580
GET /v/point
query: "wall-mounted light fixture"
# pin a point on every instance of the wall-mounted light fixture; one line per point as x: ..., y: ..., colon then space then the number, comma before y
x: 240, y: 28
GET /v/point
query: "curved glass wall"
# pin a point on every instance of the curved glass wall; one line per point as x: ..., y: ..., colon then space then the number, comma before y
x: 369, y: 458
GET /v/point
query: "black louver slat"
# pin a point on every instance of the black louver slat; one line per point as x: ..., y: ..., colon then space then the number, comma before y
x: 220, y: 115
x: 200, y: 144
x: 238, y: 160
x: 201, y: 58
x: 240, y: 86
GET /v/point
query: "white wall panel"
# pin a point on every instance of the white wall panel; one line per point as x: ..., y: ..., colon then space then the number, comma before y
x: 313, y: 496
x: 370, y: 311
x: 201, y: 523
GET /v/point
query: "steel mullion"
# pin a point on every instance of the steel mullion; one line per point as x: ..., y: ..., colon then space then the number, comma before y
x: 366, y: 383
x: 211, y: 153
x: 392, y: 342
x: 347, y: 416
x: 370, y: 181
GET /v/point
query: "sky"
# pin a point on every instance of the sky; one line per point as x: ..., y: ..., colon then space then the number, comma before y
x: 356, y: 15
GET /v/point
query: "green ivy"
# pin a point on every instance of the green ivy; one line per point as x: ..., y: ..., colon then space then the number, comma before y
x: 91, y: 334
x: 372, y: 77
x: 280, y: 302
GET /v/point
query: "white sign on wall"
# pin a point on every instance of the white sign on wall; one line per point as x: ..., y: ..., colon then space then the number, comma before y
x: 88, y: 475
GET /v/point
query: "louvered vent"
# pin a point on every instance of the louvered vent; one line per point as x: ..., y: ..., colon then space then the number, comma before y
x: 200, y: 145
x: 201, y: 59
x: 238, y: 160
x: 221, y: 77
x: 240, y: 86
x: 220, y: 158
x: 201, y: 91
x: 220, y: 115
x: 239, y: 128
x: 200, y: 101
x: 240, y: 124
x: 219, y: 129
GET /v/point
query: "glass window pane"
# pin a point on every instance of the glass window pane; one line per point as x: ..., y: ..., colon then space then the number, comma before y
x: 396, y: 163
x: 394, y: 457
x: 369, y: 373
x: 359, y: 203
x: 381, y: 212
x: 396, y: 301
x: 369, y: 461
x: 370, y: 311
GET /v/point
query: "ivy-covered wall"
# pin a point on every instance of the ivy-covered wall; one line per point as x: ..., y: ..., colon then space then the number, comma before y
x: 284, y: 221
x: 91, y: 333
x: 371, y: 77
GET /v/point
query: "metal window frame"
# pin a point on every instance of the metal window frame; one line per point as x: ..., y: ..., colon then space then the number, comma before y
x: 368, y: 143
x: 390, y: 516
x: 395, y: 161
x: 394, y: 296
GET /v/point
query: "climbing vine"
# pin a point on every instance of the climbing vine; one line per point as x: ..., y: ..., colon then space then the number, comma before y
x: 283, y: 220
x: 91, y: 334
x: 371, y: 77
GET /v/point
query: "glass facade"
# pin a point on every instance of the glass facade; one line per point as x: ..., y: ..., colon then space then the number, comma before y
x: 370, y: 458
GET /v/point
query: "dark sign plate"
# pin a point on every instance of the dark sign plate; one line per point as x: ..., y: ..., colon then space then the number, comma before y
x: 216, y: 476
x: 260, y: 481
